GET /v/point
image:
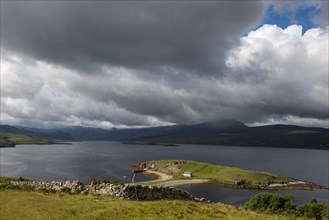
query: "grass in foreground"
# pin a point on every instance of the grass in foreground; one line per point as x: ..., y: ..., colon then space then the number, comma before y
x: 37, y: 205
x: 201, y: 170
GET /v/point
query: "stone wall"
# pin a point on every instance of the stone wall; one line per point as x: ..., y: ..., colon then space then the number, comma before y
x: 126, y: 191
x: 57, y: 186
x: 140, y: 192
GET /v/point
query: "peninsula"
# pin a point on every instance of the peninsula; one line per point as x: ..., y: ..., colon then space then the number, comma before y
x: 181, y: 172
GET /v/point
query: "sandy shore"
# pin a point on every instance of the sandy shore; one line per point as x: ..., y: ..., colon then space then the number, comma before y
x: 161, y: 176
x: 181, y: 182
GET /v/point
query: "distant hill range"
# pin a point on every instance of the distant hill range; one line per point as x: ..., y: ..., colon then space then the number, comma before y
x: 223, y: 132
x: 10, y: 136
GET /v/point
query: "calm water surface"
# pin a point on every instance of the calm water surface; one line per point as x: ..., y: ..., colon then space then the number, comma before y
x: 111, y: 160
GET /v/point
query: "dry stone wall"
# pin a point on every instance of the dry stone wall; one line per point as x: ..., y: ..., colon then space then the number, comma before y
x: 139, y: 192
x: 56, y: 186
x: 126, y: 191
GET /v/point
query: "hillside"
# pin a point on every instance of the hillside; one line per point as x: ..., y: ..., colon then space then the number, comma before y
x: 264, y: 136
x: 10, y: 136
x: 223, y: 132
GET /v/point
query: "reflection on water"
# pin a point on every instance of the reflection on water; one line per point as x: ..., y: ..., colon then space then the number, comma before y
x: 110, y: 160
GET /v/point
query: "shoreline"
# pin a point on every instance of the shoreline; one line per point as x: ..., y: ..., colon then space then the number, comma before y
x: 52, y: 143
x: 165, y: 180
x: 174, y: 183
x: 150, y: 143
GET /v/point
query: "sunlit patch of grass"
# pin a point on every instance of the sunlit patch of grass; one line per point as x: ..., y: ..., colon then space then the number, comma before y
x: 37, y: 205
x: 201, y: 170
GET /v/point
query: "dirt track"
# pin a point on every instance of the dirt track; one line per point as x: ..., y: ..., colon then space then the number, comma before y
x: 166, y: 180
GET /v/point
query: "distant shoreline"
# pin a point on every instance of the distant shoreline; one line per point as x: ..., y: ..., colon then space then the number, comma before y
x: 13, y: 145
x: 150, y: 143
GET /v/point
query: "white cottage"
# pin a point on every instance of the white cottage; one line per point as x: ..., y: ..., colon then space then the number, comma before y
x: 187, y: 174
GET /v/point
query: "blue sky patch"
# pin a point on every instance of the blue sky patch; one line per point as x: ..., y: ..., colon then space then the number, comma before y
x: 303, y: 16
x: 273, y: 17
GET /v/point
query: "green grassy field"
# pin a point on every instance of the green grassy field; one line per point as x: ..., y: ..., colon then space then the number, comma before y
x: 201, y: 170
x: 17, y: 204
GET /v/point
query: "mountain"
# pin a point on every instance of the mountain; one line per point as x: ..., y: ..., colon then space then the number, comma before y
x: 10, y: 136
x: 221, y: 124
x: 222, y: 132
x: 242, y: 135
x: 54, y: 134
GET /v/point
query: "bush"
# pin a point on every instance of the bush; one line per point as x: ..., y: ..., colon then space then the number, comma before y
x: 325, y: 211
x: 276, y: 204
x: 22, y: 179
x: 272, y: 203
x: 312, y: 210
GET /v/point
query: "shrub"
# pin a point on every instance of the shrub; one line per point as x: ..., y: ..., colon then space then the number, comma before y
x: 312, y: 210
x: 325, y: 211
x: 22, y: 179
x: 271, y: 203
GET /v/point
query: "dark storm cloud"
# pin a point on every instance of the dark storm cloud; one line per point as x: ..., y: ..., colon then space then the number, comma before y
x: 83, y: 35
x: 150, y: 63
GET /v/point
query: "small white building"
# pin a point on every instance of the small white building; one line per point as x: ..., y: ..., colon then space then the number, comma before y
x: 187, y: 174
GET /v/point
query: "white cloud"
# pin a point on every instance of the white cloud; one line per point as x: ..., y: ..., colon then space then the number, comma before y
x: 39, y: 94
x: 273, y: 75
x: 290, y: 69
x: 295, y: 120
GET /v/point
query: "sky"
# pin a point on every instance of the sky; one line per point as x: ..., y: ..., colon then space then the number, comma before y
x: 134, y: 64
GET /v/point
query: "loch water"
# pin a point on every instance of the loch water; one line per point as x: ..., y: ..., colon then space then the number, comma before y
x: 111, y: 160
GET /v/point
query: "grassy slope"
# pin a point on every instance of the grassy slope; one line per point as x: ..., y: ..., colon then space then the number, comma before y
x: 202, y: 170
x: 22, y: 139
x: 38, y: 205
x: 12, y: 135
